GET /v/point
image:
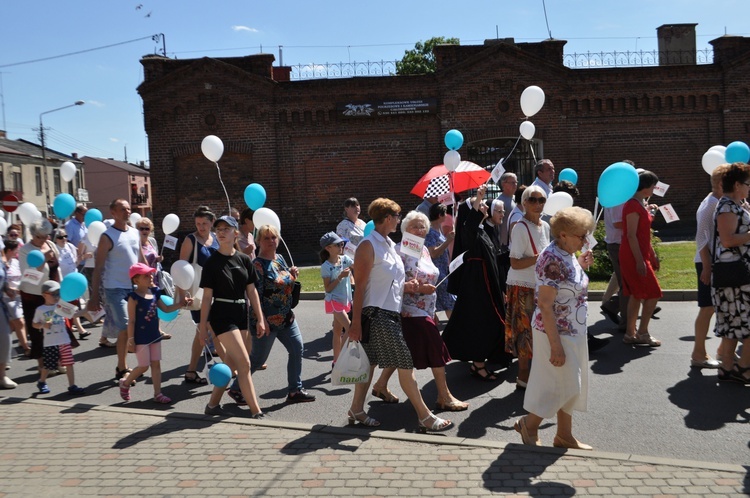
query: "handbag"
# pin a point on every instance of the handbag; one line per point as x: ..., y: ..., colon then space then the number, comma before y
x: 196, y: 291
x: 352, y: 367
x: 728, y: 273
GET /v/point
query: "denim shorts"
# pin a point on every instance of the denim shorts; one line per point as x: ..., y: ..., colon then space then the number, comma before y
x: 116, y: 306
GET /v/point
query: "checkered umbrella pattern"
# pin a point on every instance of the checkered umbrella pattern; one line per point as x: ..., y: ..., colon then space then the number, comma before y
x: 436, y: 182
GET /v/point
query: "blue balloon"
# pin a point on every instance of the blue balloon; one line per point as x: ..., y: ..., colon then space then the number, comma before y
x: 220, y: 375
x: 255, y: 196
x: 35, y: 258
x: 617, y: 184
x: 568, y: 174
x: 454, y: 139
x: 91, y: 216
x: 737, y: 152
x: 369, y: 227
x: 64, y: 205
x: 167, y: 317
x: 73, y: 286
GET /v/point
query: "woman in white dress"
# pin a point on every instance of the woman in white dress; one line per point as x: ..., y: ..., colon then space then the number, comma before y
x: 558, y: 383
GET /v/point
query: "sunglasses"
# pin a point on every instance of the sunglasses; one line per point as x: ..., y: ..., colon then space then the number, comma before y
x: 144, y: 229
x: 537, y: 200
x: 60, y: 237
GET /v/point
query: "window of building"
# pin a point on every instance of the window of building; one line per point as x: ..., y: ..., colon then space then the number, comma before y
x: 56, y: 180
x: 38, y: 180
x: 17, y: 181
x: 487, y: 153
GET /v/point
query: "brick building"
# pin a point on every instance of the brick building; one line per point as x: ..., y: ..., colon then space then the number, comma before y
x: 313, y: 143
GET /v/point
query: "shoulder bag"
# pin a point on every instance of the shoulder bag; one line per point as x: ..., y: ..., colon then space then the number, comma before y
x: 728, y: 273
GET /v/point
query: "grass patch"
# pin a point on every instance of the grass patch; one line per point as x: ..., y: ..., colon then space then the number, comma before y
x: 677, y: 270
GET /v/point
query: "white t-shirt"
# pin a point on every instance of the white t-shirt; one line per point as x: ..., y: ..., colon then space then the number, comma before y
x: 57, y: 334
x: 704, y: 218
x: 613, y: 215
x: 68, y: 259
x: 522, y: 248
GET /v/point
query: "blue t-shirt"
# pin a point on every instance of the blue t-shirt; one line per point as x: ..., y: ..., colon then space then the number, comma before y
x: 343, y: 291
x: 146, y: 317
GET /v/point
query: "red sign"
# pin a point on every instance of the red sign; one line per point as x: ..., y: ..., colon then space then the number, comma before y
x: 10, y: 203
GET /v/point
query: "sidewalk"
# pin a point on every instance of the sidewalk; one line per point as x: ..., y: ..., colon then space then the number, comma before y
x: 63, y: 449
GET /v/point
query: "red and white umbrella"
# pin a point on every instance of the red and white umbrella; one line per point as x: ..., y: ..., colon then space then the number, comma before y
x: 437, y: 182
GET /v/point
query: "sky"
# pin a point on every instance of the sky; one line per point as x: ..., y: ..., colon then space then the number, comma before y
x: 110, y: 123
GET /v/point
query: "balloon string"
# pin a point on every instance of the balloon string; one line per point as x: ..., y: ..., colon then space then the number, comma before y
x: 287, y: 250
x: 229, y: 204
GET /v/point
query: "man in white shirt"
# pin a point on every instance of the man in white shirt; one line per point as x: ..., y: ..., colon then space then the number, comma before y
x: 545, y: 175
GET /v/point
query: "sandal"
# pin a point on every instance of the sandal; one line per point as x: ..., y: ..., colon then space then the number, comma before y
x: 454, y: 406
x: 642, y: 340
x: 439, y: 424
x: 160, y: 398
x: 124, y: 391
x: 575, y: 444
x: 166, y: 336
x: 83, y: 335
x: 520, y: 427
x: 362, y: 418
x: 489, y: 375
x: 195, y: 378
x: 736, y: 374
x: 387, y: 396
x: 120, y: 374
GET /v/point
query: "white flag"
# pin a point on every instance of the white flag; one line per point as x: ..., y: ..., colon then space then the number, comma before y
x: 669, y: 213
x: 660, y: 189
x: 498, y: 171
x: 411, y: 245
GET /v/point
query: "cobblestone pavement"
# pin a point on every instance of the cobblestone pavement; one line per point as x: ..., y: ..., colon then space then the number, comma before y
x: 57, y: 449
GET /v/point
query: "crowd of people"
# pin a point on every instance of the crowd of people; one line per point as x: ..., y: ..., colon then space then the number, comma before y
x: 518, y: 293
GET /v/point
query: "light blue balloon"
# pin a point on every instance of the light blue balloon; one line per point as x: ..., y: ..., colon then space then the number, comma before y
x: 220, y: 375
x: 617, y: 184
x: 454, y: 139
x: 91, y: 216
x: 167, y: 317
x: 64, y: 205
x: 737, y: 152
x: 73, y: 286
x: 568, y: 174
x: 255, y: 196
x: 35, y: 258
x: 369, y: 227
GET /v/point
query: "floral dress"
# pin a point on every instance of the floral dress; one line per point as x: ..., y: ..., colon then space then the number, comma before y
x: 445, y: 300
x: 732, y: 304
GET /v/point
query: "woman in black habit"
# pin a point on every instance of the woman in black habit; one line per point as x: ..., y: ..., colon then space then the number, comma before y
x: 475, y: 330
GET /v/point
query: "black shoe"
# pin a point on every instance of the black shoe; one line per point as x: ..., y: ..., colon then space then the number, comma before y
x: 300, y: 396
x: 656, y: 310
x: 610, y: 314
x: 237, y: 397
x: 213, y: 411
x: 596, y: 343
x: 259, y: 416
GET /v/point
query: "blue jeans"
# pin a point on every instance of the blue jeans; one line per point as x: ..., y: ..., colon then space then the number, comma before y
x: 291, y: 338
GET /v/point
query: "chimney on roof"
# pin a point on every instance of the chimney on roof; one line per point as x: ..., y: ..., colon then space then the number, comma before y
x: 676, y: 44
x: 2, y: 134
x: 74, y: 154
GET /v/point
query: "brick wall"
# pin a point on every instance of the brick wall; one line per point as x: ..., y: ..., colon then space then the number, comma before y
x: 287, y: 135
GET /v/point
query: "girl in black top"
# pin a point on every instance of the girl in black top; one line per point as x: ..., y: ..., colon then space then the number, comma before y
x: 228, y: 276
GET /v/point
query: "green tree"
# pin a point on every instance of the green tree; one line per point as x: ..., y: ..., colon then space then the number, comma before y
x: 420, y: 60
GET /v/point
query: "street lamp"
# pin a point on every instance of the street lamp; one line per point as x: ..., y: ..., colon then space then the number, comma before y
x: 44, y: 148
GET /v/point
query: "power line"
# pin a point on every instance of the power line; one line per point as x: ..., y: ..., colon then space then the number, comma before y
x: 151, y: 37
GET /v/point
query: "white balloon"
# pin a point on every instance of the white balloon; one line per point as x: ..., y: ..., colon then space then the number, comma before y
x: 3, y: 226
x: 212, y: 147
x: 135, y: 218
x: 451, y: 160
x: 28, y: 212
x: 720, y: 148
x: 711, y: 160
x: 68, y: 171
x: 557, y: 201
x: 170, y: 223
x: 182, y: 274
x: 532, y: 100
x: 265, y: 216
x: 527, y: 130
x: 95, y: 231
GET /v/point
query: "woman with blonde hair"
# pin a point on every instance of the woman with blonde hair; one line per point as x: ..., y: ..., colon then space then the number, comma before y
x: 381, y: 284
x: 558, y: 382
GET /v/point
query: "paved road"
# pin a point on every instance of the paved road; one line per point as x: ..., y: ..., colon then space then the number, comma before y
x: 642, y: 401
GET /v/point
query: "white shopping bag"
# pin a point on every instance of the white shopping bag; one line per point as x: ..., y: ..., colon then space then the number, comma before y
x: 352, y: 367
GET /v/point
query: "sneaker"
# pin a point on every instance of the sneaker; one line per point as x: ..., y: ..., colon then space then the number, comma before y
x: 300, y: 396
x: 75, y: 390
x: 237, y: 397
x: 43, y: 387
x: 213, y: 410
x: 6, y: 383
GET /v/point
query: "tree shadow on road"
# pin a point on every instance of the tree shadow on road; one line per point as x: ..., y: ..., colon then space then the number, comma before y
x: 514, y: 472
x: 710, y: 406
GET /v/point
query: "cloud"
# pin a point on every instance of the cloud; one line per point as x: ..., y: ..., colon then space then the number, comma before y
x: 95, y: 103
x: 244, y: 28
x: 112, y: 139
